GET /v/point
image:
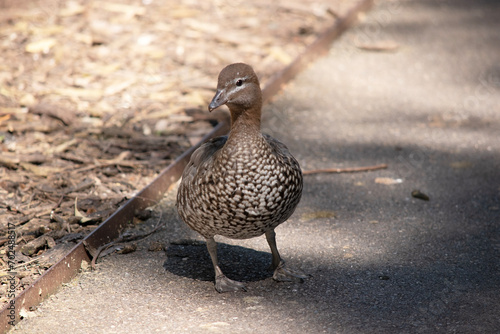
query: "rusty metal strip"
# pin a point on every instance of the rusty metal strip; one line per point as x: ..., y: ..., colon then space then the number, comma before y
x: 68, y: 267
x: 46, y: 285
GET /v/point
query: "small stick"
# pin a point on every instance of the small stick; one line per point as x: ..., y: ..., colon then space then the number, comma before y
x: 123, y: 239
x: 345, y: 170
x: 6, y: 270
x: 58, y: 203
x: 124, y: 163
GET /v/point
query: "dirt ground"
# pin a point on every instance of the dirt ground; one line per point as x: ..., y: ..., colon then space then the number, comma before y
x: 97, y: 97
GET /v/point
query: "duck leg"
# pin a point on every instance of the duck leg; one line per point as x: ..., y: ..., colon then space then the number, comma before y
x: 281, y: 272
x: 222, y: 283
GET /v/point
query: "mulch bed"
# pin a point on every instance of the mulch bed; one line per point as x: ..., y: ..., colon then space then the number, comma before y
x: 97, y: 97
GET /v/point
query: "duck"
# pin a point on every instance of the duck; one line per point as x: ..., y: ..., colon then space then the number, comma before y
x: 242, y: 185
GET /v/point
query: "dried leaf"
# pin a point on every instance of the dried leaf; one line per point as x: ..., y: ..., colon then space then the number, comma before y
x: 128, y: 10
x: 41, y: 46
x: 78, y: 214
x: 280, y: 55
x: 230, y: 37
x: 8, y: 91
x: 35, y: 245
x: 84, y: 38
x: 27, y: 99
x: 380, y: 46
x: 9, y: 162
x: 42, y: 171
x: 206, y: 27
x: 47, y: 30
x: 62, y: 147
x: 119, y: 86
x: 65, y: 115
x: 72, y: 8
x: 13, y: 110
x: 3, y: 119
x: 79, y: 92
x: 157, y: 114
x: 181, y: 13
x: 195, y: 98
x: 128, y: 248
x: 387, y: 180
x: 36, y: 158
x: 465, y: 164
x: 318, y: 215
x: 214, y: 326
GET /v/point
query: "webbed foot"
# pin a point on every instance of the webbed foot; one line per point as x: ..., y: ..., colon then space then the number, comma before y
x: 224, y: 284
x: 284, y: 274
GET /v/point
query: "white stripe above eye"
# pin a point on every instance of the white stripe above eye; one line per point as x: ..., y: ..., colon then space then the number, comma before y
x: 237, y: 88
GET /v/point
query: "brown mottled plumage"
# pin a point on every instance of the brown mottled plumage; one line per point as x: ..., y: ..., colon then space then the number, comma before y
x: 242, y: 185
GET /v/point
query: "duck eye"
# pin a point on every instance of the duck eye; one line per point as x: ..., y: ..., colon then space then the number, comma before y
x: 239, y: 83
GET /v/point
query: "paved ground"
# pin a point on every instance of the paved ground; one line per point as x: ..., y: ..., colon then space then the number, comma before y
x: 381, y: 261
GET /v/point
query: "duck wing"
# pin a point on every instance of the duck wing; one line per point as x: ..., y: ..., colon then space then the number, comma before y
x: 282, y: 153
x: 202, y: 159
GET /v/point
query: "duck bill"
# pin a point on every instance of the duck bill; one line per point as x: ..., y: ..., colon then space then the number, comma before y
x: 218, y: 100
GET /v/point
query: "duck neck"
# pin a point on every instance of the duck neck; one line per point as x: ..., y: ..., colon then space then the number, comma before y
x: 245, y: 121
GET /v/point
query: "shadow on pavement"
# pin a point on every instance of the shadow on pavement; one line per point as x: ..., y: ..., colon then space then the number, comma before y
x: 191, y: 260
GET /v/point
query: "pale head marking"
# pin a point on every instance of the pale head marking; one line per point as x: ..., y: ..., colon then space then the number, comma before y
x: 236, y: 88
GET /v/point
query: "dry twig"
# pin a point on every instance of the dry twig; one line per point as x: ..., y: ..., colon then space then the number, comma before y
x: 124, y: 238
x: 345, y: 170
